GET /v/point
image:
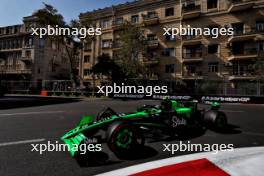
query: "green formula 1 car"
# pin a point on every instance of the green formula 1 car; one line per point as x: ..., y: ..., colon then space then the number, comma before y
x: 125, y: 132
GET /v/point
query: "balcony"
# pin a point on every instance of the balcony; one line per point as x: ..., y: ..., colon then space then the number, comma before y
x: 250, y: 53
x: 239, y: 5
x: 153, y: 44
x: 191, y: 40
x: 150, y: 61
x: 192, y: 57
x: 116, y: 45
x: 118, y: 24
x: 150, y: 19
x: 26, y: 59
x: 16, y: 69
x: 241, y: 76
x: 192, y: 76
x: 191, y: 11
x: 244, y: 36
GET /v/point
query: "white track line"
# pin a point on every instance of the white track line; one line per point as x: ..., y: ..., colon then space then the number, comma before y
x: 21, y: 142
x: 30, y: 113
x: 228, y: 161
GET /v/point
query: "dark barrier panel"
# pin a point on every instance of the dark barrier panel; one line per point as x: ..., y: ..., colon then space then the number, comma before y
x: 200, y: 98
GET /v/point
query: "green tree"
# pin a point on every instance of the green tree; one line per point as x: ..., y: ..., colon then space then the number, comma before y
x: 132, y: 46
x: 257, y: 68
x: 48, y: 15
x: 107, y: 67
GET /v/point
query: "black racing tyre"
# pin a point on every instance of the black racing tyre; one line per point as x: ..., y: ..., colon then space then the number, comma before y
x: 123, y: 138
x: 215, y: 119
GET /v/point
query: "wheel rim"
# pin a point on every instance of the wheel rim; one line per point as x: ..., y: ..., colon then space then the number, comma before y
x: 124, y: 138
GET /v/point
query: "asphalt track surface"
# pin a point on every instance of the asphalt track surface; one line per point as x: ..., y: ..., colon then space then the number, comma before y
x: 39, y: 121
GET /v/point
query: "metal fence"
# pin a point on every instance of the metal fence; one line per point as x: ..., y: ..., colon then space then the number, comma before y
x: 208, y: 87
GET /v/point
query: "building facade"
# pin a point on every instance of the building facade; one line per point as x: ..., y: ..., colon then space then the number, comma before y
x: 30, y: 58
x: 188, y: 58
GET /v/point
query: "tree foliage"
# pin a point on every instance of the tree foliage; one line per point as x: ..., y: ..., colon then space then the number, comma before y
x: 49, y: 15
x: 107, y: 67
x: 132, y: 46
x: 257, y: 68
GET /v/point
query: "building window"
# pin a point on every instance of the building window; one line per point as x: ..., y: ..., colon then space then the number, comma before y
x: 106, y: 43
x: 213, y: 67
x: 238, y: 28
x: 212, y: 4
x: 169, y: 12
x: 41, y: 43
x: 169, y: 52
x: 169, y: 68
x: 135, y: 19
x: 151, y: 37
x: 170, y: 37
x: 151, y: 14
x: 28, y: 54
x: 87, y: 46
x: 29, y: 42
x: 260, y: 26
x: 86, y: 59
x: 118, y: 21
x: 191, y: 69
x: 105, y: 24
x: 7, y: 30
x: 212, y: 49
x: 87, y: 72
x: 261, y: 46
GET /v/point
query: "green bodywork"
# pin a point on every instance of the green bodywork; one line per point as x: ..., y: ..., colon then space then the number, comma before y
x: 76, y: 136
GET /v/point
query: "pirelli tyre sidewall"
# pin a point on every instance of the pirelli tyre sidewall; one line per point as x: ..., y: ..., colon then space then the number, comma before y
x: 123, y: 138
x: 215, y: 119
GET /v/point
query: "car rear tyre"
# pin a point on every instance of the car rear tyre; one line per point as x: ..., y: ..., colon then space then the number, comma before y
x: 124, y: 138
x: 215, y: 119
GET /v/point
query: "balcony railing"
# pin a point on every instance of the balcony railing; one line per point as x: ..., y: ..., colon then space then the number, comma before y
x: 26, y: 59
x: 14, y: 69
x: 191, y: 37
x: 249, y: 51
x: 192, y: 55
x: 238, y: 5
x: 240, y: 1
x: 150, y: 16
x: 153, y: 43
x: 191, y: 8
x: 246, y: 32
x: 150, y: 19
x: 193, y: 75
x: 117, y: 22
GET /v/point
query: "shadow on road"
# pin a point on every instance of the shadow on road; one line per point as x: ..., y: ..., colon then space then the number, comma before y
x: 96, y: 159
x: 22, y: 102
x: 229, y: 129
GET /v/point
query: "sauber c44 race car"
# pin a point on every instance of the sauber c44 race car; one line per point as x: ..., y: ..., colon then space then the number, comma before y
x: 124, y: 133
